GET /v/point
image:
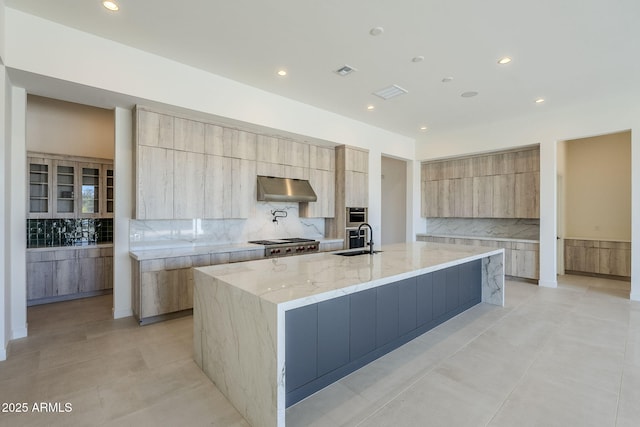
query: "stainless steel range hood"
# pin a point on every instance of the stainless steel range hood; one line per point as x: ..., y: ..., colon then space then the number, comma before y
x: 272, y: 189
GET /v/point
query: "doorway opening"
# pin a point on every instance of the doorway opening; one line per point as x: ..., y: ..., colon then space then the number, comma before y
x: 70, y: 201
x: 394, y: 200
x: 594, y: 206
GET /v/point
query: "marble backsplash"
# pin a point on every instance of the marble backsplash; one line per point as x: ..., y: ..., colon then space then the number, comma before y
x: 188, y: 232
x: 527, y: 229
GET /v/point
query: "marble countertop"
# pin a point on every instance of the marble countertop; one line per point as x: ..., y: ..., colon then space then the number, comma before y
x: 66, y: 248
x: 501, y: 239
x: 167, y: 251
x: 292, y: 282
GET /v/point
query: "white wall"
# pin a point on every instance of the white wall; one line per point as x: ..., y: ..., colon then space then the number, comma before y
x: 598, y: 187
x: 67, y: 128
x: 394, y: 200
x: 2, y: 31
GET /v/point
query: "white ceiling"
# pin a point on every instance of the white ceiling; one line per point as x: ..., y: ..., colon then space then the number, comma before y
x: 566, y: 51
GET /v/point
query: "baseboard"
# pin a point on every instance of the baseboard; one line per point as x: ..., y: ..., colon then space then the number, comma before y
x: 119, y: 314
x: 546, y: 284
x: 19, y: 333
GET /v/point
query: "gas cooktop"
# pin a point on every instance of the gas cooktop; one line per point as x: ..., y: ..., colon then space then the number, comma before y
x: 287, y: 246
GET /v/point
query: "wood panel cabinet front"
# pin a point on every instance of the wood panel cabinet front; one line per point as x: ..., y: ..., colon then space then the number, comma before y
x: 503, y: 185
x: 188, y: 185
x: 527, y: 195
x: 356, y: 188
x: 323, y: 183
x: 155, y: 167
x: 154, y: 129
x: 188, y: 135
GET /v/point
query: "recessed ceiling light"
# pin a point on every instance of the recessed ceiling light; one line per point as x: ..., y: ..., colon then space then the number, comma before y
x: 423, y: 128
x: 469, y: 94
x: 376, y: 31
x: 417, y: 58
x: 371, y: 107
x: 282, y: 73
x: 539, y: 100
x: 111, y: 5
x: 504, y: 60
x: 447, y: 79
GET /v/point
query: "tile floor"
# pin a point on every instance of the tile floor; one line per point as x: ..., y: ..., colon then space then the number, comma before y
x: 552, y: 357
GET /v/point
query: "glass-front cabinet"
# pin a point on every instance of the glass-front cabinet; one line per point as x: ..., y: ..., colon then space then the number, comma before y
x: 109, y: 188
x: 39, y: 178
x: 90, y: 203
x: 64, y: 184
x: 69, y: 188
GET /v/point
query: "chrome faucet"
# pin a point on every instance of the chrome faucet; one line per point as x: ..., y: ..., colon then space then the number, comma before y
x: 370, y: 236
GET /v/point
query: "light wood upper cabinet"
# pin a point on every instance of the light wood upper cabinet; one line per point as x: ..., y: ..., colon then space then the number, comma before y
x: 239, y: 144
x: 188, y: 185
x: 154, y: 129
x: 213, y: 137
x: 527, y: 195
x: 243, y: 187
x: 356, y: 160
x: 322, y: 158
x: 503, y: 196
x: 267, y: 150
x: 192, y: 169
x: 188, y: 135
x: 155, y: 167
x: 217, y: 194
x: 499, y: 185
x: 323, y: 183
x: 356, y: 189
x: 483, y: 196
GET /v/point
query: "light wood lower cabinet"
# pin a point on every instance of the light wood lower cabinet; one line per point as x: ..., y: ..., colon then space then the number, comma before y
x: 59, y: 274
x: 521, y: 259
x: 165, y: 285
x: 597, y: 257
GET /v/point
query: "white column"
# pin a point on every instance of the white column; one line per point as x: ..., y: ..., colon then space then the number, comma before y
x: 5, y: 308
x: 548, y: 214
x: 123, y: 204
x: 414, y: 197
x: 635, y: 214
x: 17, y: 194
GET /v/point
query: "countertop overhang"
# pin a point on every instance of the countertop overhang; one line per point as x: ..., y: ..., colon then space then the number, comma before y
x: 292, y: 282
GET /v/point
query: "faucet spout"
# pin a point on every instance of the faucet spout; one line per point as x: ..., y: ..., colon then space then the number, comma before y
x: 370, y: 236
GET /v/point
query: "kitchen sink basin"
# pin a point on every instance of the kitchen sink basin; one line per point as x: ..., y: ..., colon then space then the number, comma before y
x: 354, y: 253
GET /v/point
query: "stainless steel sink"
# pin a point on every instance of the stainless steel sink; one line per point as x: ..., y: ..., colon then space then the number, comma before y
x: 354, y: 253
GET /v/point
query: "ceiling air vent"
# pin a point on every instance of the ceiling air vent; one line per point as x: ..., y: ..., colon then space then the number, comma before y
x: 345, y: 70
x: 390, y: 92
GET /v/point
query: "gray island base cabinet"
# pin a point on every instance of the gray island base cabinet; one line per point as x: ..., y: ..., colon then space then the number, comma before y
x: 270, y: 332
x: 328, y: 340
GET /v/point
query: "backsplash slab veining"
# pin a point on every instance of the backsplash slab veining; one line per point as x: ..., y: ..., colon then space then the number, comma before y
x: 147, y: 234
x: 526, y: 229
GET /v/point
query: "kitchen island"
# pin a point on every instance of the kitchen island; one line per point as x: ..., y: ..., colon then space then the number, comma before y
x: 323, y: 316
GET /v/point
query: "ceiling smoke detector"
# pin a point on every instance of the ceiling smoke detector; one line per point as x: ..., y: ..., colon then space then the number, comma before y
x: 390, y: 92
x: 345, y: 70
